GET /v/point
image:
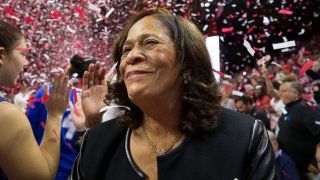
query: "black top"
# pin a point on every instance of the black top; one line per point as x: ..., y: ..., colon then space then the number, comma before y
x: 299, y: 132
x: 237, y: 148
x: 258, y: 114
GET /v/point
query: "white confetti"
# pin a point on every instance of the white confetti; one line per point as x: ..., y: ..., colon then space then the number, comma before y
x: 283, y: 45
x: 249, y: 48
x: 71, y: 30
x: 109, y: 12
x: 94, y: 7
x: 237, y: 93
x: 266, y: 21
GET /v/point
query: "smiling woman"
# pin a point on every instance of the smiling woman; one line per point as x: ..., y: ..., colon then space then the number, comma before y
x: 175, y: 128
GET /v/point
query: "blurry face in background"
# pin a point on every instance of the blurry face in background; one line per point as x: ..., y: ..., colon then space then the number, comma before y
x: 318, y: 156
x: 316, y: 66
x: 243, y: 108
x: 286, y: 71
x: 148, y: 64
x: 257, y: 91
x: 287, y: 93
x: 290, y: 62
x: 12, y: 65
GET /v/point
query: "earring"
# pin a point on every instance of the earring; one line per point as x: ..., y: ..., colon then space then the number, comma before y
x: 186, y: 78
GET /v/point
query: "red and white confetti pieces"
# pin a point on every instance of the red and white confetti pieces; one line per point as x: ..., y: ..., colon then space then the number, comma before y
x: 56, y: 30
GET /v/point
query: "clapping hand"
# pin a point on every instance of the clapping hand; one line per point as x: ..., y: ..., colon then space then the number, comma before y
x: 93, y: 94
x: 57, y: 103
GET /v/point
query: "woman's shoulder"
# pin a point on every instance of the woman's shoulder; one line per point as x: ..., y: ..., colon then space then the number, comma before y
x: 232, y: 122
x: 234, y: 117
x: 10, y: 113
x: 12, y: 121
x: 9, y: 110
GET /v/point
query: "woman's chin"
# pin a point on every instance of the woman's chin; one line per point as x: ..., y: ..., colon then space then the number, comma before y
x: 136, y: 96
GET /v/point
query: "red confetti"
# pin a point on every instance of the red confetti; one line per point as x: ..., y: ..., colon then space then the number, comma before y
x: 76, y: 111
x: 249, y: 30
x: 284, y: 11
x: 81, y: 13
x: 221, y: 74
x: 29, y: 20
x: 44, y: 98
x: 305, y: 67
x: 229, y: 29
x: 43, y: 125
x: 9, y: 11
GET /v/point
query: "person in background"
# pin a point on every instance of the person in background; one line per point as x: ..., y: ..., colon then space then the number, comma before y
x: 285, y: 164
x: 226, y: 100
x: 21, y: 99
x: 317, y: 163
x: 244, y: 104
x: 299, y: 130
x: 260, y: 97
x: 174, y: 126
x: 20, y: 155
x: 71, y: 123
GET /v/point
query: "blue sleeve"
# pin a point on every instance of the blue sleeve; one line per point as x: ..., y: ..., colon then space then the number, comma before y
x: 37, y: 115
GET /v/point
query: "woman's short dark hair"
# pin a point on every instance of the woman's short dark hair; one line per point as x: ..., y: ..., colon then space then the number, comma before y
x: 10, y: 36
x: 201, y: 96
x: 245, y: 99
x: 79, y: 65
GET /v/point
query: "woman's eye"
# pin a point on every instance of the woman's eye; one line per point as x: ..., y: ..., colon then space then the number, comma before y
x: 126, y: 49
x: 150, y: 42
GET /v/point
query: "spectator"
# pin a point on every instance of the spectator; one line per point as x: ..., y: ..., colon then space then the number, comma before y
x: 285, y: 165
x: 244, y: 104
x: 299, y: 130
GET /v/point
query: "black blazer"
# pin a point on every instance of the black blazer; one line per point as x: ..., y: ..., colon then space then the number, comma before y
x: 238, y: 148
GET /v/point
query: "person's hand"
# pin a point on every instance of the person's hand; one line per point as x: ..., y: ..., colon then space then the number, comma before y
x: 57, y: 102
x: 301, y: 51
x: 94, y: 90
x: 77, y: 114
x: 264, y: 71
x: 313, y: 169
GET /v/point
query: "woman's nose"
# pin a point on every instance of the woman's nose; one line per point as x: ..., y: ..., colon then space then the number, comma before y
x: 25, y: 62
x: 135, y: 56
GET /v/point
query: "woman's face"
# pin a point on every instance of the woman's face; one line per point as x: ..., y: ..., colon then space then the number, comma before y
x: 12, y: 64
x: 148, y: 65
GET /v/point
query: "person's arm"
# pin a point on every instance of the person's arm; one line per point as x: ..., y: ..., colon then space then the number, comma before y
x: 20, y: 155
x: 270, y: 89
x: 261, y: 161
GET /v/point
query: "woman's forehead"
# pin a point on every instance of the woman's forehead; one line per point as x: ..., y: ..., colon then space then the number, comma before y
x: 148, y: 24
